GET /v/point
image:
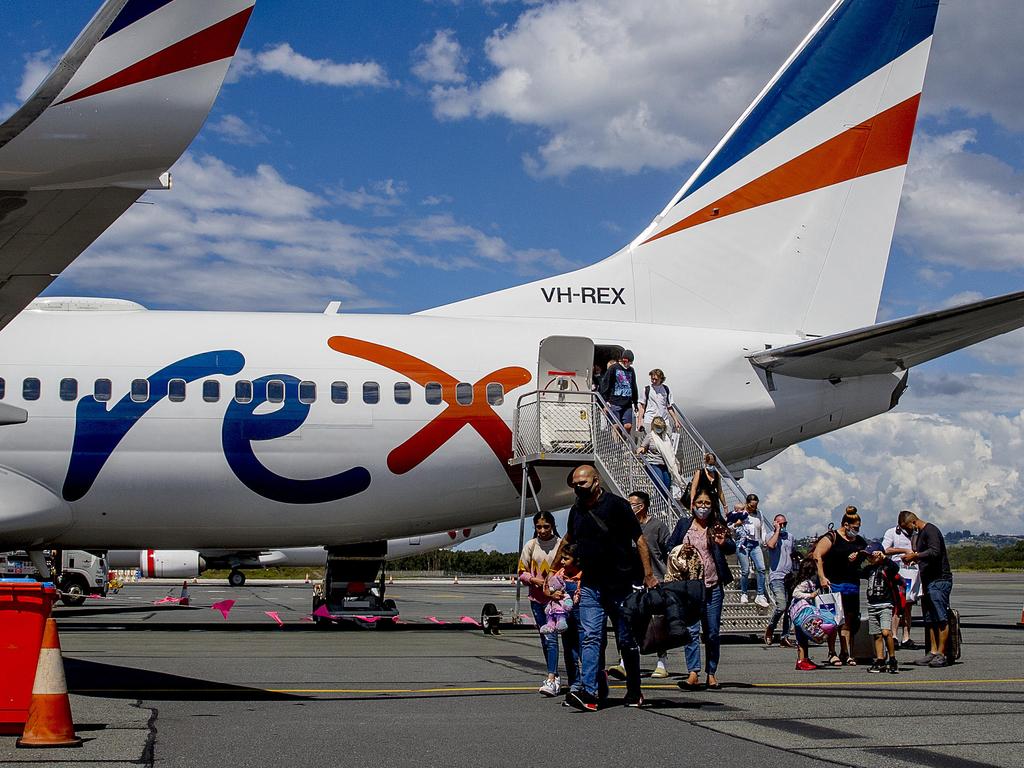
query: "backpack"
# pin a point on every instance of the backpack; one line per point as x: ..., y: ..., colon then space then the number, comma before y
x: 647, y: 394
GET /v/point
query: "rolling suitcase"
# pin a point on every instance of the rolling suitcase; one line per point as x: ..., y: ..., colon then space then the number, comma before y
x: 954, y: 641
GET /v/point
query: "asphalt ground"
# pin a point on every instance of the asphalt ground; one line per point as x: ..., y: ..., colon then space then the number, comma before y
x: 173, y: 686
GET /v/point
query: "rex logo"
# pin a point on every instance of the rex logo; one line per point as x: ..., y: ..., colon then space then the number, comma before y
x: 479, y: 414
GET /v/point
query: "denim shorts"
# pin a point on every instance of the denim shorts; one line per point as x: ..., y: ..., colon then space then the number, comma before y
x: 879, y: 618
x: 935, y: 601
x: 623, y: 413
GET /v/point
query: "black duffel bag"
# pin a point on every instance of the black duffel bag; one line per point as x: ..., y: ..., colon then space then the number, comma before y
x: 660, y: 617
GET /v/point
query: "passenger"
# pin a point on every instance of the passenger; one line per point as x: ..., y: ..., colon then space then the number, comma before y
x: 660, y: 455
x: 780, y: 579
x: 611, y: 551
x: 656, y: 400
x: 748, y: 536
x: 838, y: 554
x: 571, y: 576
x: 685, y: 564
x: 656, y: 534
x: 536, y: 564
x: 708, y: 479
x: 708, y: 535
x: 936, y: 585
x: 883, y: 600
x: 618, y: 388
x: 896, y: 544
x: 806, y: 588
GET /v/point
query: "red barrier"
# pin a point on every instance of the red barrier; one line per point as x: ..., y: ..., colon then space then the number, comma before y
x: 24, y: 608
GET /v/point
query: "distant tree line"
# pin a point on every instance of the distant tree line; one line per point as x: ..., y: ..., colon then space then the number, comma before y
x: 452, y: 561
x: 969, y: 557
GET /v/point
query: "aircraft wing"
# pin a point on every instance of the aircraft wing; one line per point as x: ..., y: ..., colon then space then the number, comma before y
x: 116, y: 112
x: 897, y: 344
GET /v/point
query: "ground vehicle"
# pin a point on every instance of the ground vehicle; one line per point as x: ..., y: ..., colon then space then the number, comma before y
x: 78, y: 573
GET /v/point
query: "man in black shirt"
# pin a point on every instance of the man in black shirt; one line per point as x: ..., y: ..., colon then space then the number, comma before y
x: 613, y: 555
x: 936, y: 583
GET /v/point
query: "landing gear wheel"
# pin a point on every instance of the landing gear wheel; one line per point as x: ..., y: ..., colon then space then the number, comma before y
x: 387, y: 623
x: 236, y: 578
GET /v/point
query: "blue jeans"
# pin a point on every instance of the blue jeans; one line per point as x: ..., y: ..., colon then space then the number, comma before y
x: 549, y: 643
x: 935, y: 601
x: 781, y: 595
x: 597, y: 604
x: 710, y: 624
x: 571, y: 641
x: 746, y: 555
x: 662, y: 473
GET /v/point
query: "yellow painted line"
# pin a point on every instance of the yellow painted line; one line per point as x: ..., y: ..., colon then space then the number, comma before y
x: 532, y: 688
x: 871, y: 684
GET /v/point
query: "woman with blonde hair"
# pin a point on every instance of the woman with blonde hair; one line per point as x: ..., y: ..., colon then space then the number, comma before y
x: 661, y: 457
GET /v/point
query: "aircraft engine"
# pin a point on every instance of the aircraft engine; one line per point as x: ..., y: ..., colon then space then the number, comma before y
x: 171, y: 563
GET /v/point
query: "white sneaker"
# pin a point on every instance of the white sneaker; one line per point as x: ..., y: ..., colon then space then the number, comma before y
x: 761, y: 600
x: 659, y: 671
x: 549, y: 688
x: 744, y: 599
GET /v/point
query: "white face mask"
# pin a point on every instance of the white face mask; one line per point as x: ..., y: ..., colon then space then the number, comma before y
x: 701, y: 513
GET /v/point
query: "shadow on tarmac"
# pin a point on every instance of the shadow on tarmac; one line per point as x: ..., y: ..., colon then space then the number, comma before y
x: 109, y: 681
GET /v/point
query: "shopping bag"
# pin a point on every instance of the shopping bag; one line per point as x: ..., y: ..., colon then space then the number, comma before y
x: 830, y: 606
x: 911, y: 583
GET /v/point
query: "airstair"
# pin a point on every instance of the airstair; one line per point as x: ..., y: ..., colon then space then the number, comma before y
x: 569, y: 428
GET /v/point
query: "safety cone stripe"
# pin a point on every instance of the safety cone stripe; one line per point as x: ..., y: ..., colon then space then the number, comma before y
x: 49, y: 722
x: 50, y: 674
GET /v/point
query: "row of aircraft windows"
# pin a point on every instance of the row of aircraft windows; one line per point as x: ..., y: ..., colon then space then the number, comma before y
x: 31, y: 389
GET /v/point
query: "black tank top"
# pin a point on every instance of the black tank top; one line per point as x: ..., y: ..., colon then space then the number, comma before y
x: 836, y: 563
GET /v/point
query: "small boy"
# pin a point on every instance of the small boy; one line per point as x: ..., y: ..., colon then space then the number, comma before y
x: 883, y: 595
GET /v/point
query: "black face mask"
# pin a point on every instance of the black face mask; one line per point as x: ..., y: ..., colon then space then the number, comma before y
x: 581, y: 493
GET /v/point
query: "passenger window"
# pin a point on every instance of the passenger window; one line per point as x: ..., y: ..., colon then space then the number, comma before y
x: 30, y: 389
x: 433, y: 393
x: 69, y: 389
x: 3, y: 389
x: 464, y: 393
x: 275, y: 391
x: 495, y: 394
x: 403, y: 393
x: 211, y: 390
x: 176, y: 390
x: 101, y: 390
x: 243, y: 391
x: 339, y: 392
x: 307, y: 392
x: 371, y: 392
x: 140, y: 390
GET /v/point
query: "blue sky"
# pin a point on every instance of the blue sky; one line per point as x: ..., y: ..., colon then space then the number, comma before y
x: 401, y: 155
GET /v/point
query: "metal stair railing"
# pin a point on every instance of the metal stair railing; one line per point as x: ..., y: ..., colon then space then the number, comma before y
x: 690, y: 455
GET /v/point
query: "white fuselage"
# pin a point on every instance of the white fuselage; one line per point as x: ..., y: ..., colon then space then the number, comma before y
x: 215, y: 473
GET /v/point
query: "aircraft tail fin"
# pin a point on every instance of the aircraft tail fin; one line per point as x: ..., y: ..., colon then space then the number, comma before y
x: 786, y: 226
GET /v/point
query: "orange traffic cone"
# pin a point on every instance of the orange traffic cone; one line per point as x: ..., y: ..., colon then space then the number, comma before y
x: 1021, y: 622
x: 49, y: 721
x: 456, y: 581
x: 307, y: 577
x: 183, y: 600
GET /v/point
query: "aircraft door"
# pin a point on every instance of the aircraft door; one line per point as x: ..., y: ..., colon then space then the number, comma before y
x: 563, y: 377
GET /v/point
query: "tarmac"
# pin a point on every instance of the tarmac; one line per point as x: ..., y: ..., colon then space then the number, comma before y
x: 167, y: 685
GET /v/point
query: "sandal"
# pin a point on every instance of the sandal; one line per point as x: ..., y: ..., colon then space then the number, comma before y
x: 847, y: 660
x: 834, y: 661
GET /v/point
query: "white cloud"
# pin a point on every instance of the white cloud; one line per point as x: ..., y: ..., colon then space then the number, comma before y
x: 226, y: 239
x: 235, y: 130
x: 958, y: 473
x: 284, y: 60
x: 976, y: 62
x: 961, y: 208
x: 441, y: 60
x: 381, y: 198
x: 37, y: 67
x: 597, y: 77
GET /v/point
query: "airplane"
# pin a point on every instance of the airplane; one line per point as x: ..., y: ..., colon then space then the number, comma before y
x: 131, y: 428
x: 188, y: 563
